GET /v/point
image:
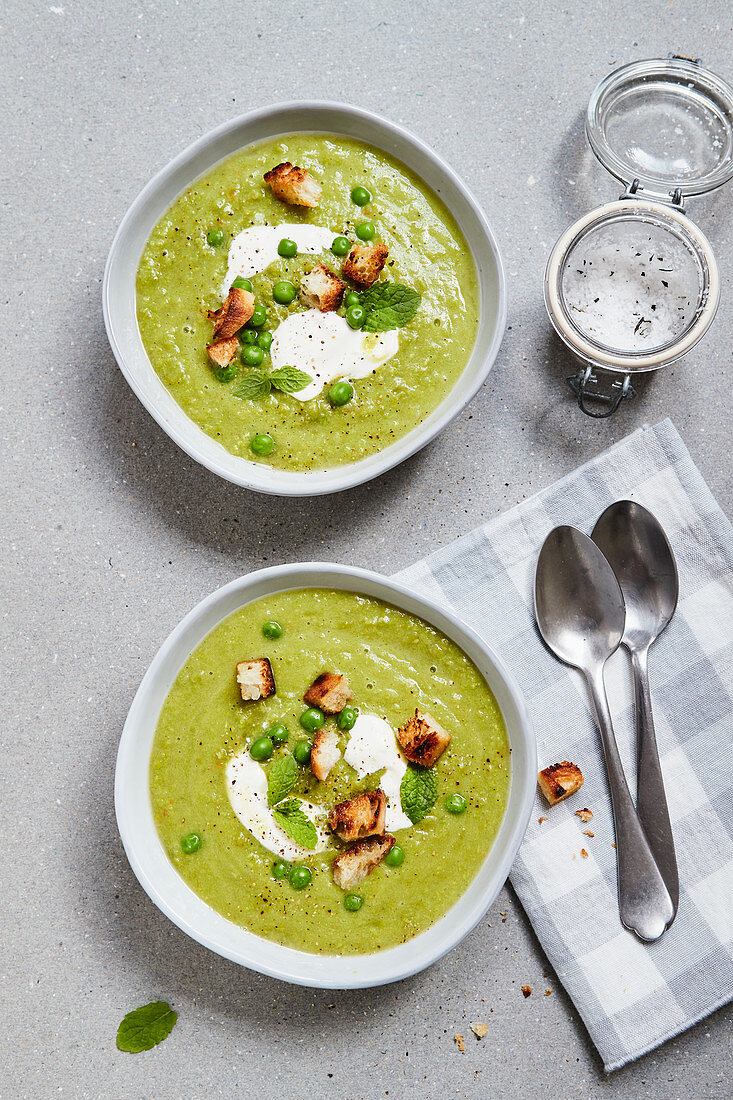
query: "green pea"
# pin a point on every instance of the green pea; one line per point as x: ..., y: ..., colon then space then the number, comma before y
x: 353, y: 902
x: 280, y: 869
x: 455, y: 804
x: 259, y: 316
x: 272, y: 630
x: 242, y: 284
x: 225, y: 374
x: 312, y: 719
x: 360, y: 196
x: 278, y: 733
x: 247, y: 336
x: 262, y: 445
x: 340, y: 246
x: 340, y: 393
x: 353, y: 298
x: 347, y: 718
x: 261, y: 749
x: 191, y: 843
x: 395, y: 857
x: 355, y: 316
x: 287, y: 248
x: 216, y: 236
x: 365, y: 231
x: 264, y: 340
x: 300, y: 876
x: 284, y: 292
x: 302, y: 751
x: 251, y: 355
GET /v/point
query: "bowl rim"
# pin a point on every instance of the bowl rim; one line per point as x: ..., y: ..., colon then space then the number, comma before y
x: 145, y: 851
x: 257, y: 476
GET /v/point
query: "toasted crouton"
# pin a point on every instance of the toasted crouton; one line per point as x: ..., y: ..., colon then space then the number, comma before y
x: 584, y: 814
x: 255, y: 679
x: 235, y: 312
x: 361, y: 816
x: 222, y: 352
x: 321, y: 289
x: 352, y: 866
x: 364, y: 263
x: 422, y: 739
x: 294, y: 185
x: 559, y: 781
x: 330, y: 692
x: 325, y: 753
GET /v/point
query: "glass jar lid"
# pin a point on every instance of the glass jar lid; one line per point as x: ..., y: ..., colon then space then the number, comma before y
x: 666, y: 123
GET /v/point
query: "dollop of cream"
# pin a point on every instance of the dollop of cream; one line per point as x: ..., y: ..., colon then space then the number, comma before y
x: 246, y: 783
x: 373, y: 746
x: 324, y: 346
x: 255, y: 248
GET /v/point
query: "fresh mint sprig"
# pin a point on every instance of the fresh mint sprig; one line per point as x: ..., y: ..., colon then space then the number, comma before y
x: 418, y: 792
x: 258, y: 383
x: 281, y: 779
x: 388, y: 306
x: 296, y: 824
x: 145, y: 1027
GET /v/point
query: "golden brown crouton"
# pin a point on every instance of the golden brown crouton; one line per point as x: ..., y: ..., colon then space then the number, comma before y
x: 294, y: 185
x: 361, y: 816
x: 223, y: 351
x: 330, y: 692
x: 321, y: 289
x: 585, y: 814
x: 235, y: 312
x: 559, y: 781
x: 352, y: 866
x: 364, y: 263
x: 422, y: 739
x: 255, y: 679
x: 325, y: 752
x: 527, y: 990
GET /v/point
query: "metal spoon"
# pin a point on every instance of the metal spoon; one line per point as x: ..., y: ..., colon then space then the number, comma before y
x: 580, y: 613
x: 639, y: 554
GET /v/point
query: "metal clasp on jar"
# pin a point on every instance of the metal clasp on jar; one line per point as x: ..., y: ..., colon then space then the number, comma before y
x: 586, y: 385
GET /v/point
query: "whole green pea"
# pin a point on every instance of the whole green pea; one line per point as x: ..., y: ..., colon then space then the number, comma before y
x: 340, y: 393
x: 272, y: 630
x: 360, y: 196
x: 191, y: 843
x: 287, y: 248
x: 353, y: 902
x: 262, y: 445
x: 284, y: 292
x: 300, y: 876
x: 455, y: 804
x: 312, y: 719
x: 353, y: 298
x: 247, y: 336
x: 264, y: 340
x: 395, y: 857
x: 365, y: 231
x: 242, y: 284
x: 261, y: 749
x: 225, y: 374
x: 355, y: 316
x: 259, y: 316
x: 347, y: 718
x: 278, y: 733
x: 251, y: 355
x: 280, y: 869
x: 302, y: 751
x: 340, y: 246
x: 216, y: 236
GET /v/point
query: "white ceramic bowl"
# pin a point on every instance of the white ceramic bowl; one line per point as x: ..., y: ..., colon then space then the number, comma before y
x: 171, y: 894
x: 119, y: 288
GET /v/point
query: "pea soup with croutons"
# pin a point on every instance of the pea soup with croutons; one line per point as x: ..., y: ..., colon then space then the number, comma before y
x: 308, y: 301
x: 329, y: 771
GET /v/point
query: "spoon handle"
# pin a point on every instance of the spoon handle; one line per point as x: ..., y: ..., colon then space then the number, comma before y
x: 643, y: 900
x: 651, y: 800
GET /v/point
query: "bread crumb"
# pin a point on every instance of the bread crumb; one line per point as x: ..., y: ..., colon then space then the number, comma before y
x: 458, y: 1040
x: 587, y: 832
x: 584, y: 815
x: 479, y: 1028
x: 548, y: 992
x: 583, y: 853
x: 542, y: 819
x: 527, y: 990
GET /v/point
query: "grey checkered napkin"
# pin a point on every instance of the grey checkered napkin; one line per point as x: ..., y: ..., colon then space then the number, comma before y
x: 631, y: 996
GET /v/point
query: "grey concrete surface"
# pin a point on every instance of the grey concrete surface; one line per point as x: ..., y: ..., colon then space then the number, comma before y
x: 111, y: 533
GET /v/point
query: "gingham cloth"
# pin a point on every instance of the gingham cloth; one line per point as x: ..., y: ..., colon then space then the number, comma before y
x: 631, y: 996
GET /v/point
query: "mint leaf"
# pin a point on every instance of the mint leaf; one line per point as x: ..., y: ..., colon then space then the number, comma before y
x: 388, y: 305
x: 145, y: 1027
x: 296, y: 824
x: 418, y: 792
x: 281, y: 778
x: 255, y: 384
x: 289, y: 379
